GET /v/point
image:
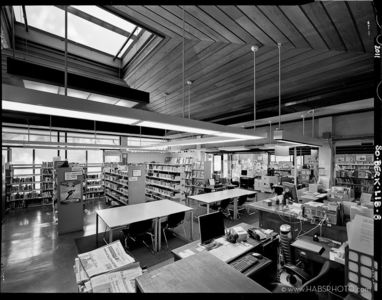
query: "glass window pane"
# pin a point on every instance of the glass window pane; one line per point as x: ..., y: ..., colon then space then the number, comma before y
x: 44, y: 155
x: 107, y: 17
x: 22, y: 156
x: 5, y: 155
x: 217, y: 163
x: 77, y: 156
x: 112, y: 158
x: 95, y: 156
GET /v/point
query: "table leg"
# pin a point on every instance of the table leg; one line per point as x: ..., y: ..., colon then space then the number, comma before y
x: 235, y: 208
x: 110, y: 235
x: 159, y: 234
x: 208, y: 208
x: 191, y: 225
x: 96, y: 230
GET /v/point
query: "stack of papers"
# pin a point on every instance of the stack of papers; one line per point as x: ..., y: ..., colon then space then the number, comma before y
x: 361, y: 234
x: 106, y: 269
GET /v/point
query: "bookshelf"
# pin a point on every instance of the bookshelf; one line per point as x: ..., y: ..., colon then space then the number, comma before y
x: 163, y: 181
x: 116, y: 183
x: 197, y: 177
x: 124, y: 184
x: 47, y: 182
x: 28, y: 189
x: 93, y: 186
x: 355, y: 171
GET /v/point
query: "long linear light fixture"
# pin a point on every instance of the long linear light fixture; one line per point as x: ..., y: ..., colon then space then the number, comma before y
x: 33, y: 101
x: 290, y: 138
x: 191, y: 142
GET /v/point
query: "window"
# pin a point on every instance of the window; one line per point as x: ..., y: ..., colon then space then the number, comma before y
x: 112, y: 158
x: 5, y: 155
x: 132, y: 141
x: 44, y: 155
x: 217, y: 163
x: 95, y: 156
x: 77, y: 156
x: 88, y: 25
x: 22, y: 156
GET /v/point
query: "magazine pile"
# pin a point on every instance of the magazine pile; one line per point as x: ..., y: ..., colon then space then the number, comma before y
x: 108, y: 269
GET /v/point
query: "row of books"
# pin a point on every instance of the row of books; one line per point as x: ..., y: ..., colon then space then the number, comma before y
x: 164, y: 168
x: 180, y: 160
x: 163, y: 183
x: 108, y: 269
x: 165, y: 176
x: 21, y: 188
x: 22, y: 179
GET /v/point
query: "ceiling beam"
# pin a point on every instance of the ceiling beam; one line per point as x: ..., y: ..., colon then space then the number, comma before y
x: 102, y: 23
x: 25, y: 18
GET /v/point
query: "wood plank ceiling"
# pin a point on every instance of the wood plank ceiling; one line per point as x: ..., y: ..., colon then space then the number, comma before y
x: 326, y: 57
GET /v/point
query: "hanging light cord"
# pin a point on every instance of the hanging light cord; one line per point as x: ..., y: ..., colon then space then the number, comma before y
x: 313, y: 123
x: 279, y: 46
x: 183, y: 66
x: 303, y: 125
x: 66, y: 50
x: 270, y: 132
x: 254, y: 49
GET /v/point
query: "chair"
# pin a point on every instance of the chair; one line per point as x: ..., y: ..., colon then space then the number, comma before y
x: 137, y: 231
x: 308, y: 282
x: 172, y: 222
x: 240, y: 205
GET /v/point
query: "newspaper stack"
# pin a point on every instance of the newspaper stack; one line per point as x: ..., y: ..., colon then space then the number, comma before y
x: 108, y: 269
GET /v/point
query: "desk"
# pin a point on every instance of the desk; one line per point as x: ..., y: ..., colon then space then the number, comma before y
x: 199, y: 273
x: 273, y: 217
x: 209, y: 198
x: 195, y: 245
x: 307, y: 196
x: 121, y: 216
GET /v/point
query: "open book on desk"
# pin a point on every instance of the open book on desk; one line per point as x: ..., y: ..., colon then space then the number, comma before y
x: 229, y: 251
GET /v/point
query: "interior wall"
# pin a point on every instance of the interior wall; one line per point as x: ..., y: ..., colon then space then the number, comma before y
x: 358, y: 124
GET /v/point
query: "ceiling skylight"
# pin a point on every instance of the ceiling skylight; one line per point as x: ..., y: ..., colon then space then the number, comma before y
x: 80, y: 30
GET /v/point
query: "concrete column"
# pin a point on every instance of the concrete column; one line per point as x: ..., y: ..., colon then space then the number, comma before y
x: 326, y: 153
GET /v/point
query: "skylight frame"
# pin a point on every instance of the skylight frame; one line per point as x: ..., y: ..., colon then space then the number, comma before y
x: 17, y: 9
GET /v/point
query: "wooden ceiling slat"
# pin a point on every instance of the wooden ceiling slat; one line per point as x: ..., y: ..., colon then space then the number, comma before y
x: 178, y: 22
x: 226, y: 73
x: 264, y: 24
x: 161, y: 52
x: 164, y: 69
x: 212, y: 23
x: 339, y: 13
x: 174, y: 84
x: 159, y: 20
x: 317, y: 14
x: 189, y: 18
x: 230, y: 24
x: 205, y: 65
x: 245, y: 94
x: 247, y: 24
x: 139, y: 17
x: 276, y: 16
x: 203, y: 87
x: 363, y: 12
x: 304, y: 26
x: 268, y: 89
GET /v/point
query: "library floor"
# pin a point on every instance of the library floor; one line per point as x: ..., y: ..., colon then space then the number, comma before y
x: 34, y: 258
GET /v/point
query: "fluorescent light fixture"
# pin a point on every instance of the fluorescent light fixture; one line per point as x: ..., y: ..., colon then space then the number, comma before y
x: 45, y: 110
x: 176, y: 127
x: 39, y: 86
x: 191, y: 142
x: 33, y: 101
x: 289, y: 138
x: 197, y: 130
x: 233, y: 148
x: 74, y: 93
x: 46, y: 143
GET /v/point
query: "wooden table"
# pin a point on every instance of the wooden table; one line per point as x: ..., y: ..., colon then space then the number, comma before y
x: 118, y: 217
x: 199, y: 273
x: 209, y: 198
